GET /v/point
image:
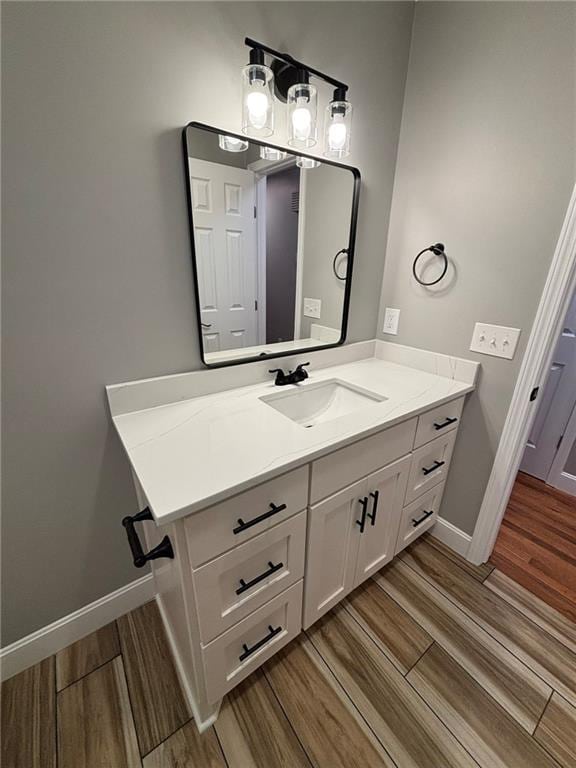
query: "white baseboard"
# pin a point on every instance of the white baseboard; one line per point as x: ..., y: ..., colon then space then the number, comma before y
x: 53, y: 638
x: 453, y: 537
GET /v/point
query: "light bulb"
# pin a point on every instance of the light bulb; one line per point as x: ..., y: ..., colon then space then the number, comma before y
x: 301, y: 121
x: 337, y: 126
x: 257, y: 97
x: 302, y: 108
x: 337, y: 134
x: 257, y: 105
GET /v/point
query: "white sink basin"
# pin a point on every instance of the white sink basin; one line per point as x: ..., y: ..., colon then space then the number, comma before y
x: 310, y: 404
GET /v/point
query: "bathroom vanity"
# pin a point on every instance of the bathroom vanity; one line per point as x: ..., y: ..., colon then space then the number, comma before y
x: 278, y: 501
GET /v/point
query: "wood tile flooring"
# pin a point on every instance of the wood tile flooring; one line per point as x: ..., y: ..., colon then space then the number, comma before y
x: 433, y: 663
x: 536, y: 545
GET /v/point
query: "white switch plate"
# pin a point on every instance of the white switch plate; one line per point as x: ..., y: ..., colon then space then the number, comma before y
x: 312, y: 308
x: 391, y: 317
x: 496, y: 340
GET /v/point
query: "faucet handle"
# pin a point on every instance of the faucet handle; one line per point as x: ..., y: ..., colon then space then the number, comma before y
x: 300, y: 373
x: 280, y: 376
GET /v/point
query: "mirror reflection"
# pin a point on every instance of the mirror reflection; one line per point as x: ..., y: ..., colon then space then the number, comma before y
x: 271, y: 235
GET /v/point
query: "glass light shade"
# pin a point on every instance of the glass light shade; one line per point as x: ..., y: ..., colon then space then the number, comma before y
x: 302, y: 115
x: 337, y: 129
x: 307, y: 162
x: 269, y: 153
x: 257, y: 100
x: 231, y: 143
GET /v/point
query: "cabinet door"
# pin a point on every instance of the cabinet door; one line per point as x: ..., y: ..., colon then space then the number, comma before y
x: 331, y: 550
x: 385, y: 491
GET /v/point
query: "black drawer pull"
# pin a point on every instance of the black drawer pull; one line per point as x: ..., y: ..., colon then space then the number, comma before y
x: 140, y: 558
x: 425, y: 516
x: 242, y: 526
x: 249, y: 651
x: 435, y: 466
x: 244, y: 585
x: 372, y: 515
x: 362, y: 522
x: 445, y: 423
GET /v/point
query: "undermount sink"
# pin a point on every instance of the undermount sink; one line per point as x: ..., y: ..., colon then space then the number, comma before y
x: 311, y: 404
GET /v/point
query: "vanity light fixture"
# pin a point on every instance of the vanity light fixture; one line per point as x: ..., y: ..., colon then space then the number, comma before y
x: 307, y: 162
x: 290, y: 80
x: 270, y: 153
x: 257, y: 98
x: 337, y: 126
x: 231, y: 143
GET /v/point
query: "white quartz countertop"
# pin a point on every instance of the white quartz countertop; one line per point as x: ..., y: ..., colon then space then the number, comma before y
x: 193, y: 453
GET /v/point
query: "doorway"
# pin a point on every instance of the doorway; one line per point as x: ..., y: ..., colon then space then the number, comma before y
x: 553, y: 307
x: 536, y: 544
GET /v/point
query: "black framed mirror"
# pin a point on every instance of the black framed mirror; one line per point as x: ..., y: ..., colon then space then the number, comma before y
x: 272, y: 235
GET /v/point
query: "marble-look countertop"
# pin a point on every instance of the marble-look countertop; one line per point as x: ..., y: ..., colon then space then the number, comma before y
x: 190, y: 454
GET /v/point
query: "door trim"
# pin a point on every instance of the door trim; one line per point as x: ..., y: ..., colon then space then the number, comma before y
x: 554, y: 302
x: 261, y: 258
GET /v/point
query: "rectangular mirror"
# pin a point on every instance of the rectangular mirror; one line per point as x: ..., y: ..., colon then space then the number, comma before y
x: 272, y: 246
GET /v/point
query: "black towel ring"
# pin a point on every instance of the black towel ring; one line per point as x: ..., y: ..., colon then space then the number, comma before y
x: 437, y: 250
x: 342, y: 250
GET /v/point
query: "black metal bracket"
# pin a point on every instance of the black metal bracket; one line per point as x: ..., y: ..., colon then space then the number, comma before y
x: 372, y: 515
x: 425, y: 516
x: 435, y: 466
x: 288, y: 71
x: 445, y: 423
x: 242, y: 526
x: 364, y: 504
x: 140, y: 558
x: 272, y: 632
x: 246, y: 585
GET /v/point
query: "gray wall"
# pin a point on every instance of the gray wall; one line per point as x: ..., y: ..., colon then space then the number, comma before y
x: 328, y: 207
x: 97, y: 275
x: 486, y: 165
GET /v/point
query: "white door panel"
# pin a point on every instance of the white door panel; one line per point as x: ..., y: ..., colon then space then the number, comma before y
x: 223, y: 207
x: 557, y: 402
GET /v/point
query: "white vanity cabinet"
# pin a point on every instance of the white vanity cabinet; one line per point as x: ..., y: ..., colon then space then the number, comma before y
x: 351, y: 535
x: 253, y: 570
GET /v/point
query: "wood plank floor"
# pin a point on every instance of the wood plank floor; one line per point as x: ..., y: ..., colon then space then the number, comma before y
x: 536, y: 545
x: 433, y: 663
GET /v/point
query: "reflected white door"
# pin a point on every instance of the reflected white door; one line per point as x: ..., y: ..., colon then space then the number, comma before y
x: 557, y: 403
x: 223, y: 210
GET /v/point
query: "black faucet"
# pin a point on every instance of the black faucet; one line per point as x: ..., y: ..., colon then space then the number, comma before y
x: 292, y: 377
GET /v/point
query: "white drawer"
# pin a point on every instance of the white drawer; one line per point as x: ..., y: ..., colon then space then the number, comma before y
x: 419, y: 517
x: 430, y: 465
x: 247, y: 645
x: 237, y: 583
x: 438, y: 421
x: 344, y: 467
x: 232, y: 522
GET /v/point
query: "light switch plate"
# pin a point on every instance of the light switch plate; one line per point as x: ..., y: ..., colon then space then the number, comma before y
x: 496, y: 340
x: 312, y: 308
x: 391, y: 318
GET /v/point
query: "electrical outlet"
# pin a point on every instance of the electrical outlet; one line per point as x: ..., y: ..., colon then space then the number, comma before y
x: 391, y: 318
x: 312, y: 308
x: 496, y: 340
